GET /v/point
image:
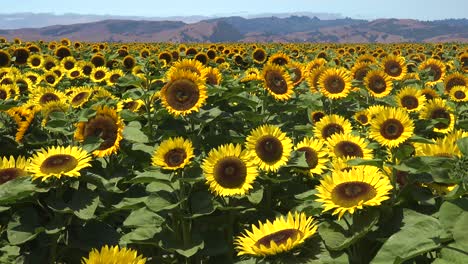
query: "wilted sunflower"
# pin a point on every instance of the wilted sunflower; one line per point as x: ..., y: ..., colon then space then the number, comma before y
x: 394, y: 66
x: 437, y: 109
x: 410, y: 98
x: 173, y: 153
x: 335, y: 83
x: 378, y: 83
x: 459, y: 93
x: 455, y: 79
x: 352, y: 189
x: 114, y: 255
x: 107, y: 125
x: 331, y: 124
x: 271, y: 147
x: 348, y: 146
x: 229, y: 170
x: 11, y: 168
x: 281, y: 235
x: 58, y: 162
x: 184, y: 93
x: 277, y: 82
x: 391, y: 127
x: 315, y: 154
x: 436, y: 70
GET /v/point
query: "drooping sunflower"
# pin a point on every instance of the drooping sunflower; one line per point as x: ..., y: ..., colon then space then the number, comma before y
x: 277, y: 82
x: 107, y: 125
x: 335, y: 83
x: 281, y: 235
x: 378, y: 83
x: 271, y: 147
x: 436, y: 70
x: 455, y: 79
x: 12, y: 168
x: 229, y: 170
x: 184, y: 93
x: 58, y: 162
x: 410, y: 98
x: 348, y: 146
x: 438, y: 109
x: 113, y: 255
x: 173, y: 153
x: 459, y: 93
x: 331, y: 124
x: 394, y: 66
x: 391, y: 127
x: 352, y: 189
x: 315, y: 154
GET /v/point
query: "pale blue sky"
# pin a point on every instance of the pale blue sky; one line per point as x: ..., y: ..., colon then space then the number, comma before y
x: 368, y: 9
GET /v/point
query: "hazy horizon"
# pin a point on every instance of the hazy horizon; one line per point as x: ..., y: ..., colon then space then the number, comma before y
x: 362, y: 9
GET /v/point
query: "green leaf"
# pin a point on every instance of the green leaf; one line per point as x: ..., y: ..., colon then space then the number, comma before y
x: 418, y: 235
x: 8, y: 254
x: 134, y: 134
x: 337, y: 238
x: 140, y: 234
x: 152, y: 175
x: 24, y: 226
x: 463, y: 145
x: 201, y: 204
x: 92, y: 234
x: 143, y: 217
x: 129, y: 203
x: 460, y: 230
x: 83, y: 204
x: 190, y: 251
x: 452, y: 253
x: 157, y: 203
x: 256, y: 195
x: 298, y: 160
x: 371, y: 162
x: 16, y: 189
x: 451, y: 211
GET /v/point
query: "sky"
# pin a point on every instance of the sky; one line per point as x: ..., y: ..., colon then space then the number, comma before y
x: 365, y: 9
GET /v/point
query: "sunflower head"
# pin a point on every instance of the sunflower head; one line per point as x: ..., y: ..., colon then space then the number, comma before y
x: 435, y: 70
x: 331, y: 124
x: 410, y: 98
x: 270, y: 146
x: 391, y: 127
x: 12, y: 168
x: 113, y: 255
x: 277, y: 82
x: 378, y: 83
x: 347, y: 146
x: 455, y: 79
x: 58, y: 162
x: 438, y: 109
x: 394, y: 66
x: 281, y: 235
x: 315, y: 154
x: 173, y: 153
x: 229, y: 170
x: 352, y: 189
x: 335, y: 83
x: 459, y: 94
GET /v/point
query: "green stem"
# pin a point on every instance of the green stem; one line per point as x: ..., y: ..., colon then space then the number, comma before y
x: 230, y: 235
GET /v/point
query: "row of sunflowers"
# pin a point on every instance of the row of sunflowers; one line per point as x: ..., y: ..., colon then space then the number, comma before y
x: 233, y: 153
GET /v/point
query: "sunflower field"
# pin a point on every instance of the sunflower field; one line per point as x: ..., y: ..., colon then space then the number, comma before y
x: 245, y: 153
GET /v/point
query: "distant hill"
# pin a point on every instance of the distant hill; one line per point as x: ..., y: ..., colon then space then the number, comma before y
x: 265, y: 29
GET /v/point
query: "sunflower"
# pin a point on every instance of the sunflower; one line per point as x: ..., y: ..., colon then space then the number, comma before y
x: 25, y: 124
x: 75, y: 73
x: 213, y: 76
x: 114, y: 75
x: 98, y: 60
x: 79, y: 96
x: 410, y: 98
x: 279, y: 59
x: 281, y: 235
x: 133, y: 105
x: 429, y: 93
x: 277, y: 82
x: 441, y: 147
x: 313, y: 78
x: 21, y: 54
x: 52, y: 107
x: 391, y: 127
x: 87, y: 67
x: 229, y: 170
x: 316, y: 116
x: 99, y: 74
x: 184, y: 93
x: 348, y: 146
x: 251, y: 74
x: 107, y: 125
x: 113, y: 255
x: 335, y: 83
x: 271, y: 147
x: 129, y: 62
x: 437, y: 109
x: 362, y: 117
x: 58, y: 161
x: 190, y: 65
x: 459, y: 93
x: 259, y: 55
x: 360, y: 70
x: 202, y: 57
x: 4, y: 58
x: 5, y: 93
x: 62, y: 52
x: 331, y: 124
x: 32, y: 76
x: 173, y: 153
x: 35, y: 61
x: 315, y: 154
x: 50, y: 78
x: 43, y: 95
x: 165, y: 56
x: 352, y: 189
x: 436, y: 70
x: 68, y: 63
x: 378, y: 83
x: 297, y: 70
x: 455, y: 79
x: 394, y: 66
x: 11, y: 168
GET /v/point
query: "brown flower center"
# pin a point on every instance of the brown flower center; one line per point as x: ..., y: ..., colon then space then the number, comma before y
x: 349, y: 194
x: 441, y: 113
x: 331, y: 129
x: 279, y: 237
x: 269, y: 149
x: 48, y: 97
x: 182, y: 94
x: 58, y: 163
x: 377, y: 84
x: 393, y: 68
x: 10, y: 174
x: 348, y: 149
x: 334, y: 84
x: 230, y: 172
x: 276, y: 82
x: 175, y: 157
x: 311, y: 156
x: 409, y: 102
x: 391, y: 129
x: 79, y: 98
x: 104, y: 127
x: 459, y: 95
